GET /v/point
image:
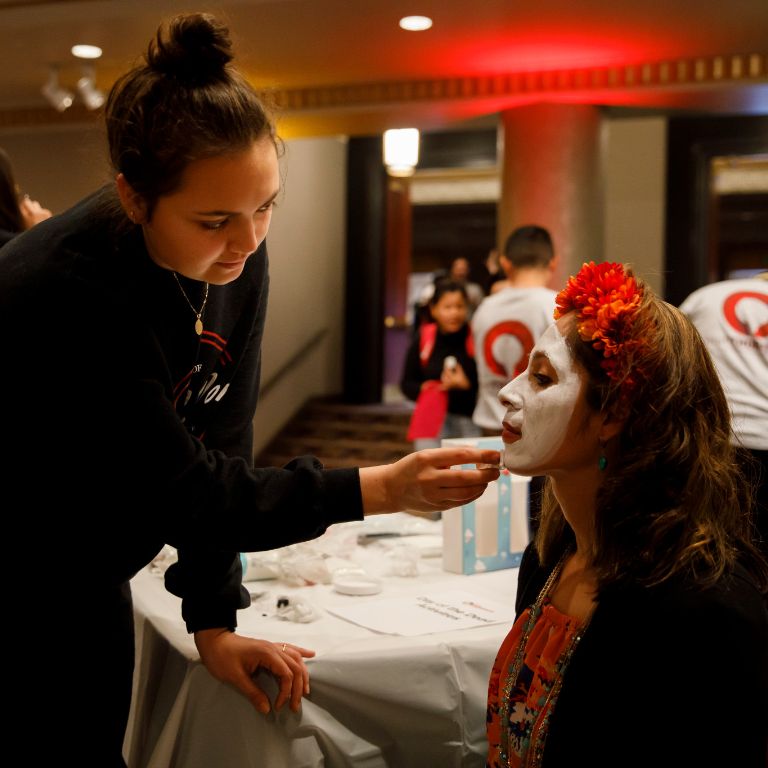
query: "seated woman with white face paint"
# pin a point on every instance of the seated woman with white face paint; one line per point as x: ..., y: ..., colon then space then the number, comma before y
x: 641, y: 636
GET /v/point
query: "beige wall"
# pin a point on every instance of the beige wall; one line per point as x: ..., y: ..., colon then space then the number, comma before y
x: 634, y: 188
x: 306, y: 246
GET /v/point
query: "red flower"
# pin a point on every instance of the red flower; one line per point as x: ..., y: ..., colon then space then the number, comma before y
x: 605, y: 300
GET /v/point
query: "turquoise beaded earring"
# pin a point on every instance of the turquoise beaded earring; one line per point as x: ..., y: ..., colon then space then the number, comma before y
x: 602, y: 461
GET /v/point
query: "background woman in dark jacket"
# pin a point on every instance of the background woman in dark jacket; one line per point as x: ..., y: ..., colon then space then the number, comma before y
x: 442, y: 356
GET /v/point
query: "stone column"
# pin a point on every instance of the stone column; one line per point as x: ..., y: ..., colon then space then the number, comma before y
x: 550, y: 156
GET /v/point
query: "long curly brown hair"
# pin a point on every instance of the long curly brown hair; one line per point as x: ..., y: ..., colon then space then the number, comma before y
x: 674, y: 499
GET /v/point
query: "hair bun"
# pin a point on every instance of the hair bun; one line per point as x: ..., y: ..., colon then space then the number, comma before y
x: 193, y: 48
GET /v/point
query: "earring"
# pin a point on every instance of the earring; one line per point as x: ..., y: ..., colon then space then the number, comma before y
x: 602, y: 461
x: 132, y: 215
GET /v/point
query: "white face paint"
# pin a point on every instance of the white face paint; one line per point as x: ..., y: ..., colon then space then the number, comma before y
x: 540, y: 403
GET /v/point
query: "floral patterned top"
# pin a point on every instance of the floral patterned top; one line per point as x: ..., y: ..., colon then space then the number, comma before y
x: 529, y: 699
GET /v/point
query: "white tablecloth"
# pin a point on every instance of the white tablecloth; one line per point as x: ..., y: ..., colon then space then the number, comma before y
x: 377, y: 700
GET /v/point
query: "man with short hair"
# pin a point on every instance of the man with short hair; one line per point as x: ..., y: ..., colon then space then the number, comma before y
x: 506, y: 326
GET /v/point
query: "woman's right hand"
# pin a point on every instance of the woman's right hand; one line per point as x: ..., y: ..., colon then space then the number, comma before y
x: 425, y: 481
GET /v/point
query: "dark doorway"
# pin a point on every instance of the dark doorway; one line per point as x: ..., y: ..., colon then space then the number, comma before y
x: 707, y: 234
x: 434, y: 232
x: 738, y: 242
x: 442, y: 233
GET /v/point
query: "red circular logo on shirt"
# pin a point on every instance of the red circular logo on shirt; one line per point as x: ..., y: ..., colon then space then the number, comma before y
x: 729, y: 311
x: 508, y: 328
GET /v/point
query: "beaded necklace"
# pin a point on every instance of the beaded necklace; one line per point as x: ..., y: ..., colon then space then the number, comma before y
x: 540, y: 726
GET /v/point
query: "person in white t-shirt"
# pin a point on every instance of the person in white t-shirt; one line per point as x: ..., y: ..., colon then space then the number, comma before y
x: 508, y: 323
x: 732, y: 318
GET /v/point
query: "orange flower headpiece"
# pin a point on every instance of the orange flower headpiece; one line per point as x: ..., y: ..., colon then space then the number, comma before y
x: 606, y: 300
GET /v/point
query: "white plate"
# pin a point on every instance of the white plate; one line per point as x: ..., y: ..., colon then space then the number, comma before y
x: 354, y: 581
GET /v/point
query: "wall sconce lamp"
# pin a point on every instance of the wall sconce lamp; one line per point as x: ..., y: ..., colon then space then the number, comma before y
x: 401, y: 151
x: 92, y: 97
x: 59, y: 98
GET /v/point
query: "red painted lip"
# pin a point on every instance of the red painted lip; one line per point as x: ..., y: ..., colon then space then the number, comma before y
x: 510, y: 434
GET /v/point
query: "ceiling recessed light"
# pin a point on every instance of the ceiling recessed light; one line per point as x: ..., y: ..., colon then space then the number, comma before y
x: 86, y: 51
x: 415, y: 23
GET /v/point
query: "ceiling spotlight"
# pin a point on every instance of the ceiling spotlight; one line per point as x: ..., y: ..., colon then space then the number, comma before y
x: 415, y: 23
x: 59, y: 98
x: 89, y: 93
x: 86, y: 51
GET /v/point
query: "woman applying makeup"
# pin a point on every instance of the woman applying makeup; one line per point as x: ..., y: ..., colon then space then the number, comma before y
x: 130, y: 379
x: 641, y: 636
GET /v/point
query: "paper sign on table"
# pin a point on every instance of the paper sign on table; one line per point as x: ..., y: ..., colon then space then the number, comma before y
x: 426, y: 613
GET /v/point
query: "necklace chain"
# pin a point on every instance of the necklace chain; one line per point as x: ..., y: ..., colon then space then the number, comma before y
x: 539, y: 731
x: 198, y: 315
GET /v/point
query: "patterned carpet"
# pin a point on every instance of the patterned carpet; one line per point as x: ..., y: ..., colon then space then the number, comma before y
x: 342, y: 435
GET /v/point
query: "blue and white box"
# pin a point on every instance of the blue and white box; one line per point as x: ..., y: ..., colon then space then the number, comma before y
x: 491, y: 532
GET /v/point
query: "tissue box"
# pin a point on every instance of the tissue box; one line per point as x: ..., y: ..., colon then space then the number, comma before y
x: 491, y: 532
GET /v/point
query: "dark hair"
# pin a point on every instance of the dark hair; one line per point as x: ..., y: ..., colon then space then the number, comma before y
x: 673, y: 499
x: 11, y: 219
x: 529, y: 246
x: 447, y: 285
x: 185, y: 103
